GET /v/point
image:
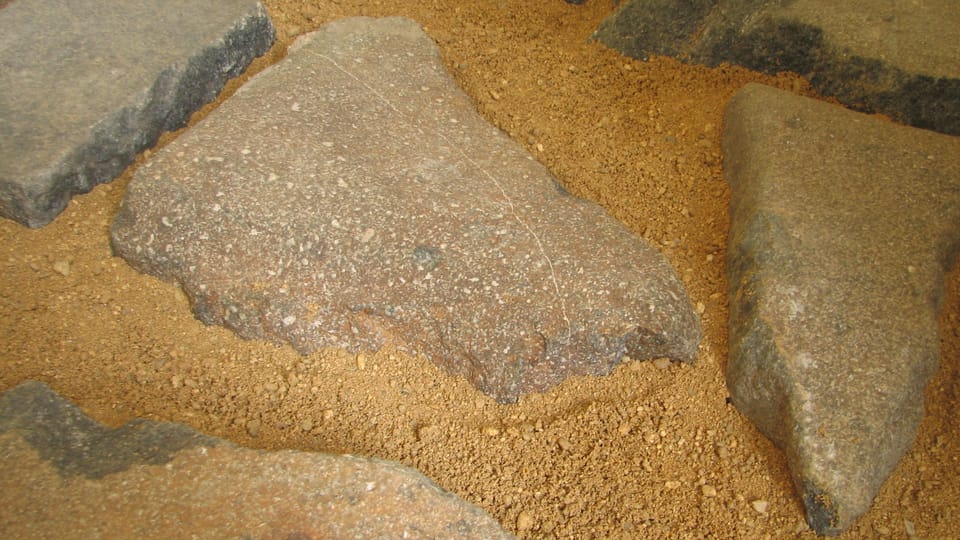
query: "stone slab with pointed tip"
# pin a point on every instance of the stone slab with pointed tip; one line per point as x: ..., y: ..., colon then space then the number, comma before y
x: 87, y: 84
x: 898, y: 58
x: 842, y: 228
x: 64, y: 475
x: 351, y: 196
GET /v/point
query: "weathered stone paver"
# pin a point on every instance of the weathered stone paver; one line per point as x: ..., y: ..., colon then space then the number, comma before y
x: 351, y: 196
x: 87, y: 84
x: 63, y: 475
x: 898, y: 58
x: 842, y: 227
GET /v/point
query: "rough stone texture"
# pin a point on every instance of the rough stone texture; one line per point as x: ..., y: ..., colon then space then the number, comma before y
x: 351, y: 195
x: 842, y: 227
x: 87, y: 84
x: 63, y: 475
x: 898, y: 58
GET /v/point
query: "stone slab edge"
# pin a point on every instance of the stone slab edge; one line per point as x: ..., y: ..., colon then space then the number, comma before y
x: 136, y: 125
x: 316, y: 495
x: 763, y: 35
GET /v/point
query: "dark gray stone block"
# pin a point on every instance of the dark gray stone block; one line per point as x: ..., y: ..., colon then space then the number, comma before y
x: 64, y: 475
x: 898, y: 58
x: 87, y: 84
x: 842, y: 228
x: 351, y: 196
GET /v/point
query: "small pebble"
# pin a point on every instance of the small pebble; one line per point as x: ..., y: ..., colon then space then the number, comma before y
x: 881, y: 530
x: 661, y: 363
x: 671, y: 484
x: 565, y: 444
x: 708, y: 490
x: 253, y: 427
x: 306, y: 424
x: 361, y: 362
x: 760, y: 506
x: 524, y: 521
x: 62, y: 268
x: 491, y: 431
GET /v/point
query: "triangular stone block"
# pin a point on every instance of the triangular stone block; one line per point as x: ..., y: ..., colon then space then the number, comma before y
x: 842, y: 227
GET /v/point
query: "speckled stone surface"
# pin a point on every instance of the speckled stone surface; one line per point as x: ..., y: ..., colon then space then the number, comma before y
x: 351, y: 196
x: 63, y: 475
x: 87, y: 84
x: 842, y: 228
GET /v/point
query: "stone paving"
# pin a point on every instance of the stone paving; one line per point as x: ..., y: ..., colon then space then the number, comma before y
x: 842, y: 228
x: 350, y: 196
x: 85, y: 85
x: 63, y: 475
x: 373, y: 205
x: 898, y: 58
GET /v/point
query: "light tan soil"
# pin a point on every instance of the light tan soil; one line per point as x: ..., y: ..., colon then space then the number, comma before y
x: 648, y: 452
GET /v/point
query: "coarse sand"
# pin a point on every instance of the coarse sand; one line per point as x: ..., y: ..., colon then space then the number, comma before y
x: 651, y: 451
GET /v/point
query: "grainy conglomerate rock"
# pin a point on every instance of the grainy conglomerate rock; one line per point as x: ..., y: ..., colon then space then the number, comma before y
x: 87, y: 84
x: 351, y: 196
x: 898, y: 58
x: 63, y: 475
x: 842, y: 227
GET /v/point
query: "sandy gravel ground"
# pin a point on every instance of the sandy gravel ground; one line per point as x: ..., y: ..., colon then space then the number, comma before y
x: 652, y: 451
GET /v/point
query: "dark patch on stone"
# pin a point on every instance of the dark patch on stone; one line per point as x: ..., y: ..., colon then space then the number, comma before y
x: 559, y: 187
x: 653, y: 27
x: 88, y: 84
x: 771, y: 36
x: 78, y: 445
x: 426, y: 258
x: 842, y: 228
x: 821, y: 512
x: 388, y: 210
x: 779, y: 46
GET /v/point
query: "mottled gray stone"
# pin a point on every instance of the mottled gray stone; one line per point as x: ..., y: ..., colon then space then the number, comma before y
x: 898, y: 58
x: 351, y: 196
x: 64, y: 475
x: 87, y: 84
x: 842, y: 227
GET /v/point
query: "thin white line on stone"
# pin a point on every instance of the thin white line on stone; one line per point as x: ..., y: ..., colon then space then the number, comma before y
x: 513, y: 210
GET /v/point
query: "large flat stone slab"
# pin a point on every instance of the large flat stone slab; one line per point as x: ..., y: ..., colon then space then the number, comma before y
x: 842, y: 227
x: 898, y: 58
x: 87, y: 84
x: 63, y: 475
x: 351, y: 196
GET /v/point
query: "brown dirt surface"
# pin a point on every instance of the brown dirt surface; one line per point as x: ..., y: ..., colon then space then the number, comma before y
x: 651, y: 451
